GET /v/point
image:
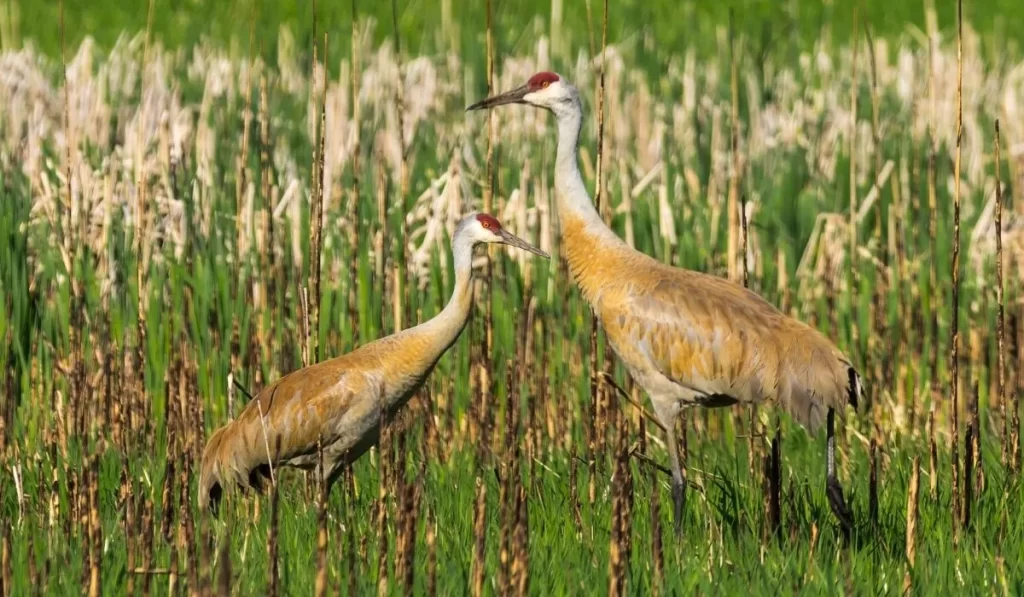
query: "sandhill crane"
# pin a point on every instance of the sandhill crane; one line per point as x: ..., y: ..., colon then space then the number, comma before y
x: 688, y: 338
x: 338, y: 402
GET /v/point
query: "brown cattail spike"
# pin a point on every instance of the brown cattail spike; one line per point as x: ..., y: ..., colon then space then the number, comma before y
x: 954, y: 333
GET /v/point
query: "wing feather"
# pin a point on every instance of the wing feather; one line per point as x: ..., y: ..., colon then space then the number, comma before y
x: 717, y: 338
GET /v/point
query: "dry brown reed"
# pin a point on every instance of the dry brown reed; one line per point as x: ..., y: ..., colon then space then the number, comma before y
x: 520, y: 584
x: 1000, y: 395
x: 933, y: 458
x: 478, y: 568
x: 969, y: 463
x: 597, y: 423
x: 386, y: 467
x: 657, y: 558
x: 620, y: 547
x: 349, y: 526
x: 354, y: 220
x: 273, y: 564
x: 224, y: 574
x: 483, y: 367
x: 773, y: 489
x: 509, y: 476
x: 954, y: 332
x: 873, y: 482
x: 317, y: 205
x: 320, y: 582
x: 911, y: 541
x: 430, y: 539
x: 412, y: 496
x: 851, y: 227
x: 5, y: 559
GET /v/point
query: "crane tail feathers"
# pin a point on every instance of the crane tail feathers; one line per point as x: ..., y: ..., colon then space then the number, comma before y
x: 211, y: 486
x: 809, y: 404
x: 856, y: 389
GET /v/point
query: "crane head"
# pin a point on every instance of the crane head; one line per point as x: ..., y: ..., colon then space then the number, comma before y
x: 544, y: 90
x: 485, y: 228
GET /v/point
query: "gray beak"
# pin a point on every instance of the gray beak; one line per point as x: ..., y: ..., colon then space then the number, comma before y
x: 510, y: 239
x: 509, y: 97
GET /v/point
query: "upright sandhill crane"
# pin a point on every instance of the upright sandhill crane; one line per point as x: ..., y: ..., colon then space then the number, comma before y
x: 338, y: 402
x: 688, y: 338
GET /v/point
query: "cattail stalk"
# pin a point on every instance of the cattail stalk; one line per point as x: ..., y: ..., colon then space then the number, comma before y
x: 883, y: 368
x: 431, y: 541
x: 506, y: 490
x: 187, y: 531
x: 399, y: 302
x: 320, y: 586
x: 975, y: 446
x: 129, y: 524
x: 224, y: 576
x: 911, y: 541
x: 273, y: 572
x: 147, y: 542
x: 621, y: 537
x: 354, y: 198
x: 410, y: 518
x: 597, y: 426
x: 933, y: 457
x: 968, y: 478
x: 1005, y: 457
x: 852, y: 224
x: 574, y: 492
x: 478, y: 568
x: 954, y: 356
x: 316, y: 215
x: 138, y: 240
x: 400, y: 104
x: 383, y: 491
x: 350, y: 525
x: 268, y: 257
x: 773, y: 486
x: 873, y: 482
x: 657, y: 548
x: 484, y: 365
x: 734, y: 181
x: 5, y: 560
x: 242, y: 231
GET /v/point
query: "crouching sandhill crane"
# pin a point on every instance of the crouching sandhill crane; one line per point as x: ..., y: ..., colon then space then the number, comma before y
x: 338, y: 402
x: 688, y: 338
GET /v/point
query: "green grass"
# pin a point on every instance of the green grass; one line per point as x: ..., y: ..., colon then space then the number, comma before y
x: 199, y: 308
x: 776, y: 27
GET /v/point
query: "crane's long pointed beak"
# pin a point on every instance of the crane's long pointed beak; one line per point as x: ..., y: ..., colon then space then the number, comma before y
x: 509, y: 97
x: 510, y: 239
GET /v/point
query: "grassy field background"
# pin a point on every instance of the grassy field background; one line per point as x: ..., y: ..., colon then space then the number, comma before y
x: 155, y: 228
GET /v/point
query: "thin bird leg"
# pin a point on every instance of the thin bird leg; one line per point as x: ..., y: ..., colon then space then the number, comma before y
x: 832, y: 487
x: 678, y: 478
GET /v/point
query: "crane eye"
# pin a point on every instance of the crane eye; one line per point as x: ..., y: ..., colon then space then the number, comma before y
x: 544, y: 84
x: 485, y: 224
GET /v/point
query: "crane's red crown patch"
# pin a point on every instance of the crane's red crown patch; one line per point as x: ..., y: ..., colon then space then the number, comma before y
x: 488, y: 221
x: 542, y: 80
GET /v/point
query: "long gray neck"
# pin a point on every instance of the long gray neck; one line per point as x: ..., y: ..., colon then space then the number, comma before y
x: 573, y: 200
x: 448, y: 324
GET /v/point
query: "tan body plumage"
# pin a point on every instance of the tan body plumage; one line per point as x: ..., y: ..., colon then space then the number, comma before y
x: 689, y: 339
x: 339, y: 402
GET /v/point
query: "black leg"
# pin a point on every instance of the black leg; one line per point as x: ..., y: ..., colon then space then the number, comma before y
x: 678, y: 478
x: 832, y: 487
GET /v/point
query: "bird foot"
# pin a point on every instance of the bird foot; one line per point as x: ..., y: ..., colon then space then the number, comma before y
x: 678, y: 502
x: 838, y: 504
